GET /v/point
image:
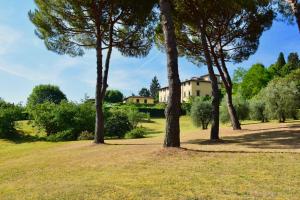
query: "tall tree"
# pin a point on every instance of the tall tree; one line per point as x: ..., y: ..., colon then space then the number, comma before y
x: 276, y: 68
x: 231, y: 33
x: 172, y: 138
x: 294, y: 4
x: 71, y: 26
x: 154, y: 88
x: 144, y: 92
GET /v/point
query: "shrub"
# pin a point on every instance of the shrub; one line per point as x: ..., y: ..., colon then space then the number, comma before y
x: 258, y: 109
x: 117, y: 124
x: 135, y: 117
x: 9, y: 113
x: 136, y: 133
x: 66, y: 135
x: 241, y: 106
x: 64, y: 116
x: 201, y: 112
x: 85, y: 135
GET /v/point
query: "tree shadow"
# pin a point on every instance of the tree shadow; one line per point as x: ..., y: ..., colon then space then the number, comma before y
x: 280, y: 139
x: 19, y: 138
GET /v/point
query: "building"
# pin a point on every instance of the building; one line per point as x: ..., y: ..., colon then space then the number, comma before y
x: 196, y: 86
x: 139, y: 100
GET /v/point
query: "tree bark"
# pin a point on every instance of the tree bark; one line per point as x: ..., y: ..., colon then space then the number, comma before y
x: 214, y: 133
x: 228, y: 87
x: 99, y: 126
x: 172, y: 112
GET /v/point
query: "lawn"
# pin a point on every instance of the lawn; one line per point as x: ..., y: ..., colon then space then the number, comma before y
x: 260, y: 162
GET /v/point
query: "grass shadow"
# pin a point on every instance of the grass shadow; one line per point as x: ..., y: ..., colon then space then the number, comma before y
x: 280, y: 139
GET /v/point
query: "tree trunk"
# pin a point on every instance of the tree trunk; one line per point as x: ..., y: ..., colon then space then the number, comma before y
x: 222, y: 68
x: 214, y: 134
x: 172, y: 138
x: 99, y: 127
x: 232, y: 112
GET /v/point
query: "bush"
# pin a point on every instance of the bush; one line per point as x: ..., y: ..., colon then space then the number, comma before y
x: 154, y: 112
x: 135, y: 117
x: 64, y: 116
x: 117, y: 124
x: 258, y: 109
x: 9, y: 113
x: 201, y: 112
x: 66, y: 135
x: 85, y: 135
x: 136, y: 133
x: 241, y: 106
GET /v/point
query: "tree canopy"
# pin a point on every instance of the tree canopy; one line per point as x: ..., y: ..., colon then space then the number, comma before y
x: 45, y: 93
x: 113, y: 96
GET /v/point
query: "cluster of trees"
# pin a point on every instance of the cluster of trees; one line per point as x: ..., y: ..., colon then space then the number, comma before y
x: 248, y: 83
x: 205, y: 31
x: 152, y: 91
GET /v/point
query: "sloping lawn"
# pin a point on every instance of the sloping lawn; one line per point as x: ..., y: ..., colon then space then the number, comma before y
x: 260, y: 162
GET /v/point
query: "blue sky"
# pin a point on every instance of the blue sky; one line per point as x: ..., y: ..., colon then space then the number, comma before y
x: 25, y: 62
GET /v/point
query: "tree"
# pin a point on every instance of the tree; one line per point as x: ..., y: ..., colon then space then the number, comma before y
x: 45, y: 93
x: 172, y: 138
x: 276, y: 69
x: 144, y: 92
x: 256, y: 78
x: 113, y: 96
x: 295, y: 8
x: 292, y: 64
x: 238, y: 77
x: 71, y: 26
x: 282, y: 98
x: 201, y: 112
x: 258, y: 109
x: 154, y: 88
x: 231, y: 29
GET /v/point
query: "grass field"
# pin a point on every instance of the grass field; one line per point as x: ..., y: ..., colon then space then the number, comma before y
x: 260, y: 162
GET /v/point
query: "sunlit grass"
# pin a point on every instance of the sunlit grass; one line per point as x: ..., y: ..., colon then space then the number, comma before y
x: 260, y: 162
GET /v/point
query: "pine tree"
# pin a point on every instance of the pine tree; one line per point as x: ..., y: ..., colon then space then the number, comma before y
x: 72, y: 26
x: 154, y: 88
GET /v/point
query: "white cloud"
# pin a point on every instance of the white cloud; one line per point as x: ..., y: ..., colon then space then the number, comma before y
x: 9, y: 38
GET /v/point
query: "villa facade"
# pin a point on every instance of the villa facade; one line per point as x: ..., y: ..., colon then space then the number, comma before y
x: 196, y: 86
x: 139, y: 100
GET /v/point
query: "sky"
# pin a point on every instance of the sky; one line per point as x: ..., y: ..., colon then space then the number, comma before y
x: 25, y: 62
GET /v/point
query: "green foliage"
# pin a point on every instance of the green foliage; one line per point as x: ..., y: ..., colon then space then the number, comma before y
x: 136, y: 133
x: 9, y: 114
x: 45, y: 93
x: 135, y: 117
x: 254, y: 80
x: 154, y: 88
x: 186, y: 107
x: 144, y: 92
x: 258, y: 109
x: 276, y: 69
x: 55, y: 118
x: 113, y: 96
x: 282, y: 98
x: 66, y: 135
x: 241, y: 106
x: 201, y: 112
x: 85, y: 135
x: 117, y: 124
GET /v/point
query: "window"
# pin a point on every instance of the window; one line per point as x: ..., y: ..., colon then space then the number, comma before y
x: 138, y: 101
x: 189, y: 93
x: 198, y: 93
x: 198, y: 83
x: 145, y: 101
x: 189, y: 83
x: 184, y: 94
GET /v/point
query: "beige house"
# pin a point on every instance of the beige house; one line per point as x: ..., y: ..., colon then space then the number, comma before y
x: 139, y: 100
x: 196, y: 86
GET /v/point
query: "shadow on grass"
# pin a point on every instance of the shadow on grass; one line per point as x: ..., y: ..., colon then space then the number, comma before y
x: 281, y: 139
x: 19, y: 138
